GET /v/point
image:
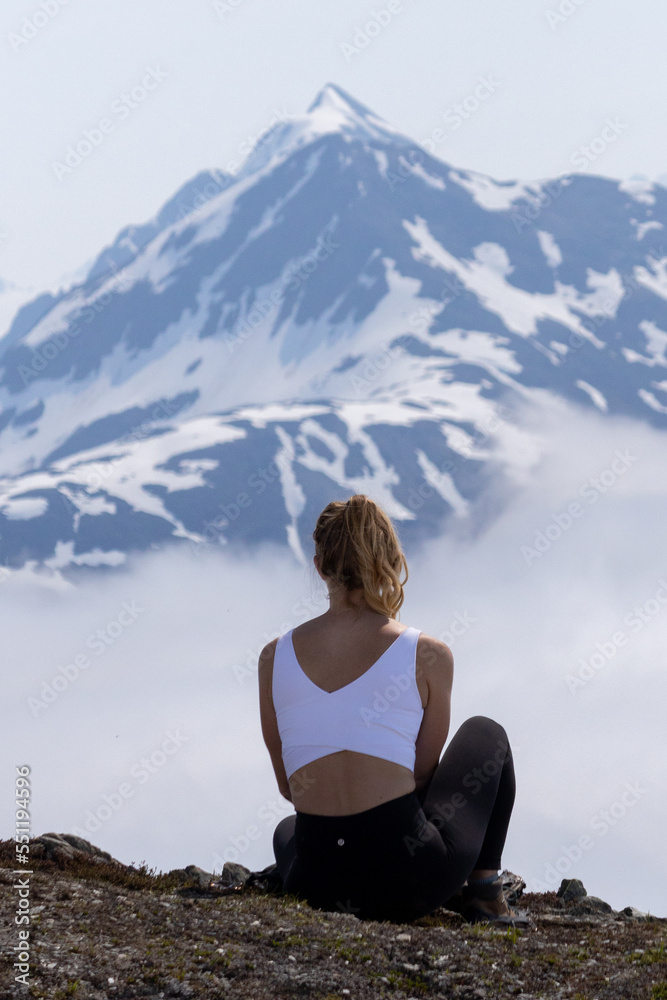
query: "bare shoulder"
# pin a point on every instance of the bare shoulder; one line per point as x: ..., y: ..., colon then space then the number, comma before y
x: 265, y: 661
x: 434, y: 656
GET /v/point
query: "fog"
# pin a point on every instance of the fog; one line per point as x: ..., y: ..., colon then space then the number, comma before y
x: 149, y: 744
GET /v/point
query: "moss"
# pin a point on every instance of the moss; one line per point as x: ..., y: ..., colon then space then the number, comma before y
x: 512, y: 935
x: 407, y: 983
x: 69, y: 991
x: 651, y: 956
x: 291, y: 941
x: 130, y: 877
x: 659, y: 991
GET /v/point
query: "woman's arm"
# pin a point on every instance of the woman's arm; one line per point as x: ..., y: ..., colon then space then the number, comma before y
x: 435, y: 675
x: 267, y: 714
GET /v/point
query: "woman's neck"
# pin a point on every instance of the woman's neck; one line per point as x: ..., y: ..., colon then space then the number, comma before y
x: 350, y: 604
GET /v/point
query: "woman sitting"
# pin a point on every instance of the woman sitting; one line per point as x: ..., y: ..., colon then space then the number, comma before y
x: 355, y: 711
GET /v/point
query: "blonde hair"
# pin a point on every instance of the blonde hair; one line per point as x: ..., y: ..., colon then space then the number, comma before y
x: 357, y: 546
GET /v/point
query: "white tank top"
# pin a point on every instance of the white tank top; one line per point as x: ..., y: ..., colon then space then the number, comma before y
x: 378, y: 714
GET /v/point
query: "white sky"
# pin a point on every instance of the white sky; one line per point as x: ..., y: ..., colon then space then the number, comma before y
x: 227, y: 72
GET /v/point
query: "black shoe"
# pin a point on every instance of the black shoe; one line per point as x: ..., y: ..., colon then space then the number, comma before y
x: 486, y: 903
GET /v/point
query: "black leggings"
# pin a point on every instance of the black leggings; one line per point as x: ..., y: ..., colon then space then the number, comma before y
x: 404, y: 858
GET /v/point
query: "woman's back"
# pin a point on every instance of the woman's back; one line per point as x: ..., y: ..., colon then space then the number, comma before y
x: 362, y: 680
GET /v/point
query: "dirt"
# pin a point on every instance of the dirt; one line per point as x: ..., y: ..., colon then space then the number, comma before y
x: 100, y: 932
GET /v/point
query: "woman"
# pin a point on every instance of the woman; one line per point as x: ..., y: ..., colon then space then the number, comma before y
x: 355, y: 711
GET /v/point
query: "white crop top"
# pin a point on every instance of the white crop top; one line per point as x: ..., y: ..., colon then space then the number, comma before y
x: 378, y: 714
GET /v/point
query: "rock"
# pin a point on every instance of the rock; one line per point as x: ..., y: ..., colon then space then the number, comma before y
x: 196, y: 874
x: 232, y: 874
x: 63, y: 847
x: 589, y: 904
x: 571, y: 888
x: 632, y: 914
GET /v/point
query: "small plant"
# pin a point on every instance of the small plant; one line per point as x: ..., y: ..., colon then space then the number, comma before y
x: 69, y: 991
x: 409, y: 984
x: 659, y: 992
x: 651, y: 955
x: 352, y: 953
x: 512, y: 935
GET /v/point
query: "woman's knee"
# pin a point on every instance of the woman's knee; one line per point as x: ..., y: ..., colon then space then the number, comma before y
x: 483, y: 724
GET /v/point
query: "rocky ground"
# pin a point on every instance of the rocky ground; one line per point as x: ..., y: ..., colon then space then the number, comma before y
x: 100, y: 929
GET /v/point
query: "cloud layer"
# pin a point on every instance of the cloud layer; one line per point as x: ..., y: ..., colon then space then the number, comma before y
x: 133, y: 697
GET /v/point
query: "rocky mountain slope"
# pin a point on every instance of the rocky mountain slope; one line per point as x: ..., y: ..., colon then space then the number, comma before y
x: 99, y: 930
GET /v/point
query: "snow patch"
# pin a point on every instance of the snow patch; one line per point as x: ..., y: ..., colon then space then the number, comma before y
x: 656, y: 346
x: 654, y: 279
x: 644, y: 227
x: 24, y: 508
x: 639, y: 188
x: 549, y: 248
x: 518, y: 308
x: 496, y: 196
x: 595, y: 394
x: 443, y: 484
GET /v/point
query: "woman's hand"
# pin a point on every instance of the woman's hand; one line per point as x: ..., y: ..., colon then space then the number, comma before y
x: 285, y: 792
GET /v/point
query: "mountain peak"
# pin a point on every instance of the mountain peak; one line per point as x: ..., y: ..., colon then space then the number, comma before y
x: 332, y: 111
x: 333, y: 99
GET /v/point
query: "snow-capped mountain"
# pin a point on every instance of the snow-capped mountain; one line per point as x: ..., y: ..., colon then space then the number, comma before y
x: 346, y: 314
